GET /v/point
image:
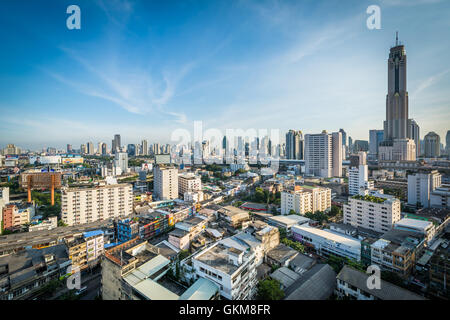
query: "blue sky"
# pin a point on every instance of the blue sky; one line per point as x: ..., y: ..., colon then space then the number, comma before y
x: 146, y: 68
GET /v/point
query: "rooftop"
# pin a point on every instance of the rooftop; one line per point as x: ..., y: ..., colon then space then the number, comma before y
x: 281, y: 253
x: 387, y: 291
x: 413, y: 223
x: 202, y: 289
x: 316, y: 284
x: 285, y: 276
x: 217, y: 257
x: 291, y: 219
x: 330, y: 235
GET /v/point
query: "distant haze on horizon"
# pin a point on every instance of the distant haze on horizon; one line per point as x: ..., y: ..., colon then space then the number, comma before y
x: 142, y: 69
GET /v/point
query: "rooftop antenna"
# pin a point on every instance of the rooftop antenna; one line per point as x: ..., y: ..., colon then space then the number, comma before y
x: 396, y: 38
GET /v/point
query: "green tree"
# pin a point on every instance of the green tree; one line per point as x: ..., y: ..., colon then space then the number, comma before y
x: 270, y: 289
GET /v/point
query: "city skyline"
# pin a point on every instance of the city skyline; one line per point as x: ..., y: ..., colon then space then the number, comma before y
x: 264, y: 71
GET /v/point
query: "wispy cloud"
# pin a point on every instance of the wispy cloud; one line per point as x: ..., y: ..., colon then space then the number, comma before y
x: 134, y: 91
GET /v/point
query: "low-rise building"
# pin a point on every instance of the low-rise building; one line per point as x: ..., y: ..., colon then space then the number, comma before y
x: 396, y: 251
x: 352, y: 283
x: 22, y: 274
x: 440, y: 197
x: 427, y: 228
x: 376, y: 212
x: 327, y: 242
x: 286, y: 222
x: 233, y: 216
x: 281, y: 255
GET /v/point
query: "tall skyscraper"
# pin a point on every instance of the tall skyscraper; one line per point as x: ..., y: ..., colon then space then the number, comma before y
x: 104, y: 149
x: 396, y: 124
x: 447, y: 144
x: 90, y: 148
x: 344, y: 137
x: 294, y: 145
x: 121, y: 161
x: 350, y: 144
x: 116, y: 144
x: 144, y: 147
x: 432, y: 145
x: 323, y: 154
x: 414, y: 134
x: 375, y: 137
x: 83, y: 149
x: 69, y: 148
x: 131, y: 150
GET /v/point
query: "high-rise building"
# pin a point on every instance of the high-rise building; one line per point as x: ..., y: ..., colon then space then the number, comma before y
x: 344, y: 137
x: 396, y: 124
x: 414, y: 134
x: 360, y: 145
x: 432, y: 143
x: 131, y: 150
x: 165, y: 182
x: 375, y: 138
x: 104, y: 149
x: 11, y: 149
x: 121, y: 161
x: 116, y: 144
x: 398, y: 150
x: 144, y: 147
x: 358, y: 174
x: 90, y: 148
x: 85, y: 205
x: 420, y: 186
x: 447, y: 144
x: 83, y: 149
x: 69, y: 148
x: 294, y: 145
x: 350, y: 144
x: 323, y: 154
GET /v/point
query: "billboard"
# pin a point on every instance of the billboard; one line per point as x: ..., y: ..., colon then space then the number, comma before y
x: 72, y: 160
x: 45, y: 160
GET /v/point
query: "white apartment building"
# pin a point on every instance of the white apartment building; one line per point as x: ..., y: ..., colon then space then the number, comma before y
x: 232, y: 269
x: 189, y: 182
x: 376, y: 212
x: 358, y: 179
x: 327, y: 242
x: 305, y: 199
x: 420, y: 187
x: 121, y: 161
x: 165, y: 182
x: 193, y: 196
x: 426, y: 228
x: 358, y: 174
x: 84, y: 205
x: 440, y: 198
x: 94, y: 244
x: 323, y: 154
x: 398, y: 150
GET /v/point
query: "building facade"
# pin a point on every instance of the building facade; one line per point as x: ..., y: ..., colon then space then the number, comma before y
x: 376, y: 212
x: 84, y: 205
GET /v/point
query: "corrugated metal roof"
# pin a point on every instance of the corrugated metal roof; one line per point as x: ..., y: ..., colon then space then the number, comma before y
x: 202, y: 289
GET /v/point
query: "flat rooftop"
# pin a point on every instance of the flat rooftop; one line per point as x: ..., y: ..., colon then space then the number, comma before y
x: 291, y: 219
x: 217, y: 257
x: 413, y: 223
x: 330, y: 235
